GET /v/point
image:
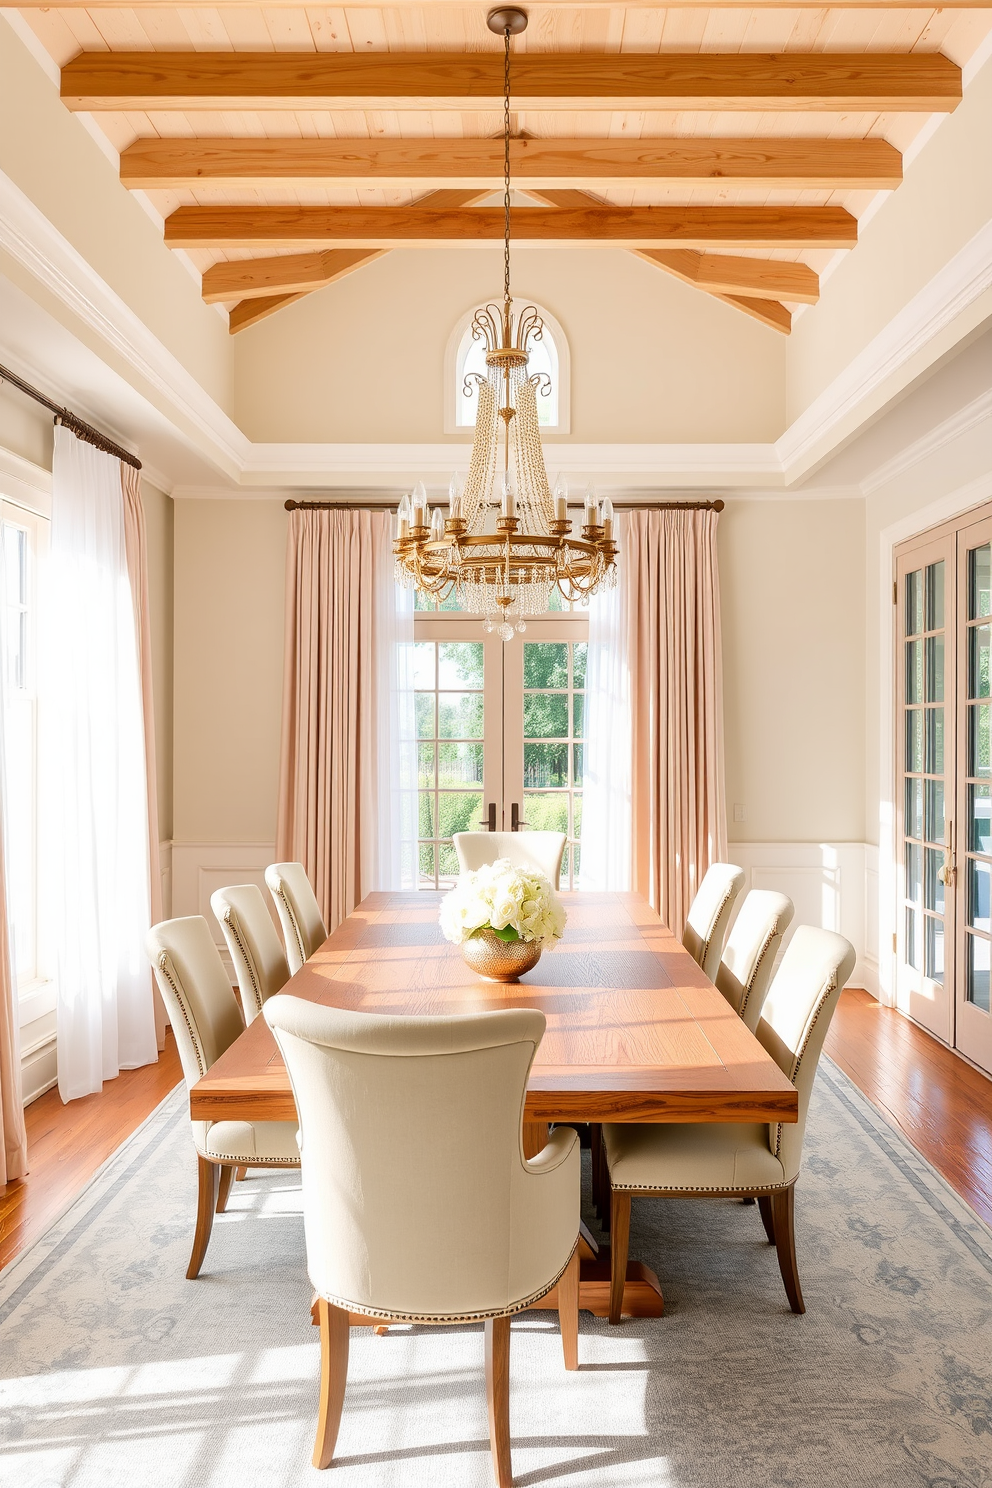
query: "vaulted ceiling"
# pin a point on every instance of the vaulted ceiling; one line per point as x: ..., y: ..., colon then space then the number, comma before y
x: 734, y: 148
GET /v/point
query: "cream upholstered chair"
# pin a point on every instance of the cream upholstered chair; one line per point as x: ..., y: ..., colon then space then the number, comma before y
x: 748, y: 958
x: 259, y: 960
x: 299, y: 913
x: 206, y: 1020
x: 709, y: 915
x: 724, y: 1159
x: 540, y: 850
x: 402, y: 1117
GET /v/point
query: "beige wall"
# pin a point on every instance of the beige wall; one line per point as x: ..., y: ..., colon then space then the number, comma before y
x: 945, y: 199
x: 25, y: 428
x: 159, y: 534
x: 229, y: 576
x: 792, y: 590
x: 51, y: 158
x: 652, y: 360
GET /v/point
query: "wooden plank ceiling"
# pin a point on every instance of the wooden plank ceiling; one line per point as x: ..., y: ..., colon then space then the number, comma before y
x: 732, y: 147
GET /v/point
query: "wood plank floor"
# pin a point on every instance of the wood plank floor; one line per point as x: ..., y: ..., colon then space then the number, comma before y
x: 68, y: 1143
x: 942, y: 1105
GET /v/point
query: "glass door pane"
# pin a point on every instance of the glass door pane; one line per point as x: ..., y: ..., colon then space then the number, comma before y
x: 973, y: 1021
x: 924, y: 581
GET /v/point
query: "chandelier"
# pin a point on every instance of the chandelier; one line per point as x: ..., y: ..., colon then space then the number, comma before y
x: 506, y: 542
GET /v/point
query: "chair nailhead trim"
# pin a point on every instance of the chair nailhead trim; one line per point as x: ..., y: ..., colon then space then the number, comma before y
x: 447, y: 1317
x: 807, y: 1035
x: 163, y: 966
x: 230, y: 920
x: 755, y: 969
x: 281, y: 894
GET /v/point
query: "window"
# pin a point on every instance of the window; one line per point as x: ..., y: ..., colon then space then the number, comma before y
x: 24, y: 539
x: 547, y: 357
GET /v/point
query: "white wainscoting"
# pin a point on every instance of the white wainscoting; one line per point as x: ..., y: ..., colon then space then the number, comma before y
x: 832, y: 884
x: 198, y: 868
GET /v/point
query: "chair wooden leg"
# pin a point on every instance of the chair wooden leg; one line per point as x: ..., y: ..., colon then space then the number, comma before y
x: 206, y: 1201
x: 599, y: 1199
x: 498, y: 1396
x: 224, y: 1187
x: 241, y: 1174
x: 767, y: 1218
x: 568, y: 1311
x: 784, y: 1221
x: 619, y: 1241
x: 334, y: 1338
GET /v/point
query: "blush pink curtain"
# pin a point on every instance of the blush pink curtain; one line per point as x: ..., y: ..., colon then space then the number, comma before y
x: 136, y: 556
x: 329, y: 751
x: 671, y: 599
x: 14, y: 1146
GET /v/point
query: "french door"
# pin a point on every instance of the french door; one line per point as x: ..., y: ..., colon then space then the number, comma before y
x: 944, y: 704
x: 500, y: 730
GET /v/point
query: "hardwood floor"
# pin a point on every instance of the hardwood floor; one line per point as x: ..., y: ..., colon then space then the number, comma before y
x: 941, y: 1104
x: 66, y: 1145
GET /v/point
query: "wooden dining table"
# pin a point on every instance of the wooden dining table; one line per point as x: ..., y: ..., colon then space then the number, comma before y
x: 635, y: 1032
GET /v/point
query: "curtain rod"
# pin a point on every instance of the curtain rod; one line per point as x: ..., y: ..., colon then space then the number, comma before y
x: 76, y: 425
x: 387, y: 505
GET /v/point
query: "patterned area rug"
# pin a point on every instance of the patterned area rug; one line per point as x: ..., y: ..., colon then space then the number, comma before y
x: 114, y: 1370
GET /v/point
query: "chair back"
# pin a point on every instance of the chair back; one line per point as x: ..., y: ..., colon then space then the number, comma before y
x: 417, y: 1199
x: 299, y: 913
x: 748, y: 959
x: 542, y: 851
x: 196, y: 990
x: 801, y: 1001
x: 259, y: 960
x: 709, y: 915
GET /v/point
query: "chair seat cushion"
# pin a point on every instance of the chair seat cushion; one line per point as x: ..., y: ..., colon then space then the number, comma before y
x: 713, y: 1157
x: 251, y: 1142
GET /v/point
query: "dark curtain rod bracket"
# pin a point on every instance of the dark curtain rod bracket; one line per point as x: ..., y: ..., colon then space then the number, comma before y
x: 72, y: 422
x: 388, y: 506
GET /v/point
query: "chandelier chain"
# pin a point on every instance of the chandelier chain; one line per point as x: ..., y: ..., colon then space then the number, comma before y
x: 506, y: 165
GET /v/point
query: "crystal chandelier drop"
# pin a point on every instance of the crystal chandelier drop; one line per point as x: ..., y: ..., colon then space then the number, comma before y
x: 506, y: 542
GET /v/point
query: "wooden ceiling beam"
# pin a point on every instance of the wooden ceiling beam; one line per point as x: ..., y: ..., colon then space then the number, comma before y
x: 249, y: 312
x: 923, y: 82
x: 289, y: 273
x: 539, y: 5
x: 757, y: 278
x: 172, y: 164
x: 767, y: 311
x: 593, y: 227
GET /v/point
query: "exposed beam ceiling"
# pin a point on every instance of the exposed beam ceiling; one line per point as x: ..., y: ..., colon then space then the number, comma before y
x: 292, y: 273
x: 757, y: 278
x: 249, y: 312
x: 920, y: 82
x: 168, y: 164
x: 767, y: 311
x: 597, y: 226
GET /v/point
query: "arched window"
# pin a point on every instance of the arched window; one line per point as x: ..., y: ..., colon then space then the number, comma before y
x: 549, y: 356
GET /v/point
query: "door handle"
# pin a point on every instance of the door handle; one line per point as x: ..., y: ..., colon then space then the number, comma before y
x: 489, y: 820
x: 516, y: 821
x: 946, y: 871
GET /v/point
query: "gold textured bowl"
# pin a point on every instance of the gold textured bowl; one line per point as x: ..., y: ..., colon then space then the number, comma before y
x: 500, y: 960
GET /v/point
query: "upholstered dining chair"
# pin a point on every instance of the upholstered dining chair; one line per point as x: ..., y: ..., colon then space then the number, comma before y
x: 709, y: 915
x: 541, y: 850
x: 402, y: 1118
x: 737, y: 1160
x: 303, y: 928
x: 748, y: 959
x: 206, y: 1020
x: 259, y: 959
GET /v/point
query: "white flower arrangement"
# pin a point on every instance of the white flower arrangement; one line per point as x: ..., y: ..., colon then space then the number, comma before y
x: 515, y: 903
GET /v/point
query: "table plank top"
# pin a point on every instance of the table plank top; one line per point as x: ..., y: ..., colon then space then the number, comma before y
x: 635, y: 1031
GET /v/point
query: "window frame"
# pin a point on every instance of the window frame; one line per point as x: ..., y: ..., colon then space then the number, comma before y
x: 453, y: 364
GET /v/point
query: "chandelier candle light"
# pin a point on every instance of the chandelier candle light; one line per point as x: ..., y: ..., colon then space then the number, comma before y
x: 506, y: 542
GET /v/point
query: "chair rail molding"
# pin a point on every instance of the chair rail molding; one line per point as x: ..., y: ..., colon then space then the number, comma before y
x: 834, y: 885
x: 198, y: 868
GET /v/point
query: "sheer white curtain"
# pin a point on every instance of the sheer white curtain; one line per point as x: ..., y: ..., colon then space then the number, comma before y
x: 391, y: 861
x: 606, y: 795
x: 94, y: 785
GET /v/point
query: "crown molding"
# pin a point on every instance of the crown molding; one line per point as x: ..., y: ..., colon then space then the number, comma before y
x: 864, y: 386
x: 25, y: 483
x: 978, y: 411
x: 32, y: 242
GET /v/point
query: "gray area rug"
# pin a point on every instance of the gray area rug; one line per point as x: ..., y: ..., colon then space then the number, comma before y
x: 114, y: 1370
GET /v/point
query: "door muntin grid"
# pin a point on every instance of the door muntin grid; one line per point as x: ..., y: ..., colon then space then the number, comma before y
x: 553, y: 743
x: 924, y: 769
x: 978, y: 765
x: 450, y: 707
